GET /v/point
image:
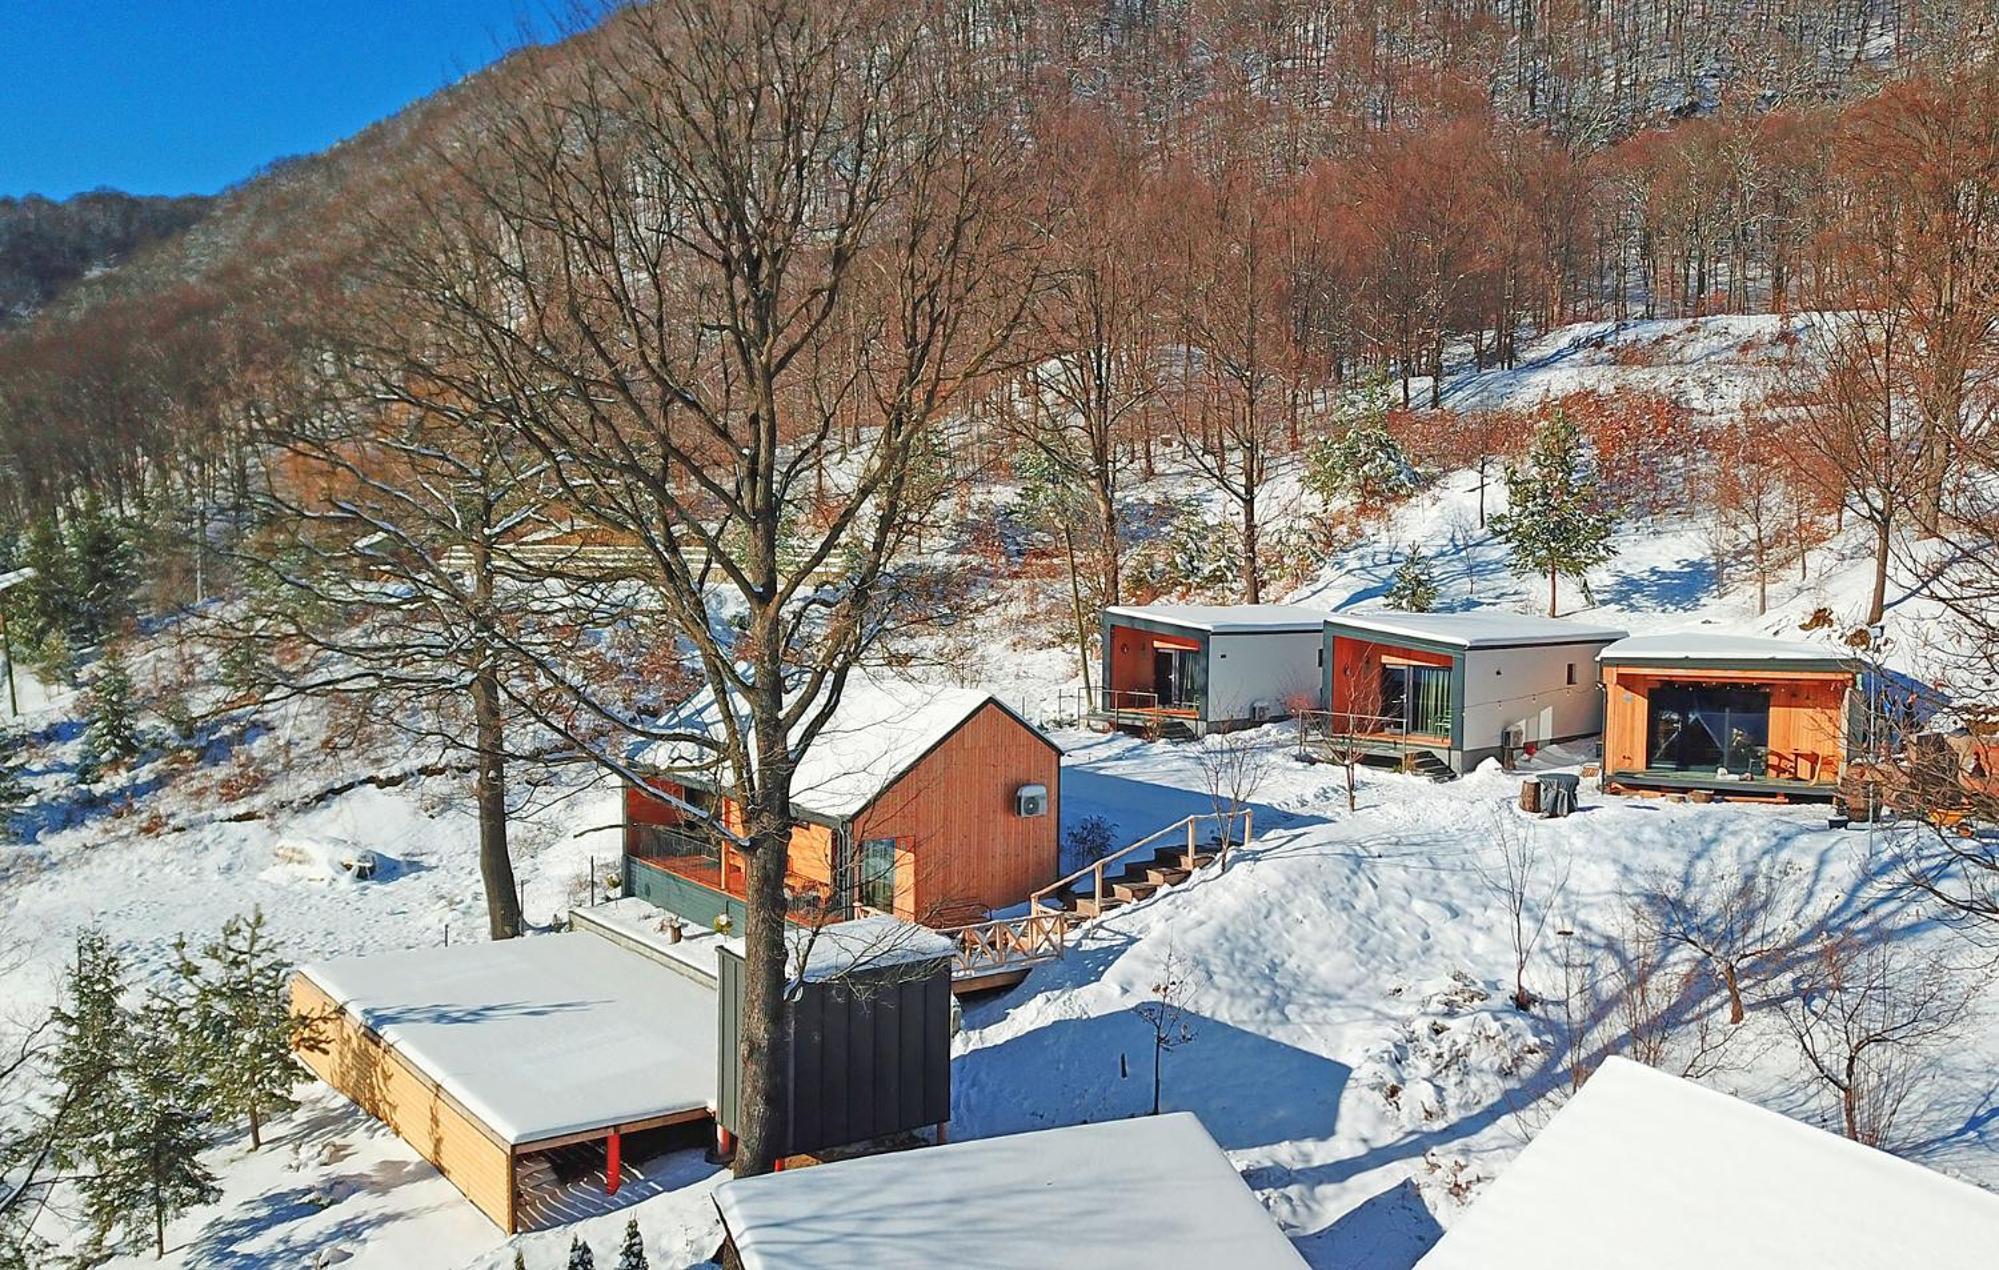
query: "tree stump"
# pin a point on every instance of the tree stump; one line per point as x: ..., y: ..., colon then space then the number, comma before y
x: 1530, y: 796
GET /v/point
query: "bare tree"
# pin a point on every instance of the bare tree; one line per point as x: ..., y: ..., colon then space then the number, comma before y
x: 1529, y: 883
x: 1868, y: 1019
x: 1741, y: 923
x: 747, y: 260
x: 1165, y: 1012
x: 1233, y: 766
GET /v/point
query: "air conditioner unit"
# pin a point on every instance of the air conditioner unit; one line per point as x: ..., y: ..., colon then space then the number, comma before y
x: 1031, y: 800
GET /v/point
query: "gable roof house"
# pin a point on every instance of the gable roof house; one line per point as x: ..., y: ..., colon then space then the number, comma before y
x: 1725, y: 713
x: 1189, y: 669
x: 1443, y: 692
x: 1645, y: 1171
x: 935, y: 805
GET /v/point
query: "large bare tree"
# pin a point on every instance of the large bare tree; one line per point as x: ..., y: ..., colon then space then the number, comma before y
x: 731, y: 273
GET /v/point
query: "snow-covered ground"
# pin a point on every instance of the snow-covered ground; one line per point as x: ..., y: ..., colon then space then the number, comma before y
x: 1353, y: 1048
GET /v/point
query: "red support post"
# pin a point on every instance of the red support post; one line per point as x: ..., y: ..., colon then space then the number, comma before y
x: 614, y: 1160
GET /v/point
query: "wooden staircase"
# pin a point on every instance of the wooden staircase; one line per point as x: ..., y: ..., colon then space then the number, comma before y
x: 1098, y: 888
x: 1427, y: 764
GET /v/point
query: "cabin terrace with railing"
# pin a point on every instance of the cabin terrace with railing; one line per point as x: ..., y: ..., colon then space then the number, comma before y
x: 1439, y: 693
x: 932, y: 805
x: 1729, y: 715
x: 1190, y: 669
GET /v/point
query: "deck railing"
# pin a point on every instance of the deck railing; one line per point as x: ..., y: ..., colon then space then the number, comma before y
x: 1225, y: 825
x: 1006, y: 944
x: 1340, y: 731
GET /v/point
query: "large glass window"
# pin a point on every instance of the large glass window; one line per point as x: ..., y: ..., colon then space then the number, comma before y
x: 1417, y: 699
x: 878, y: 874
x: 1706, y: 729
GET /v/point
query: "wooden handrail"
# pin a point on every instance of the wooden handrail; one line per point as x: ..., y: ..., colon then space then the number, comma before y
x: 1224, y: 822
x: 1006, y: 942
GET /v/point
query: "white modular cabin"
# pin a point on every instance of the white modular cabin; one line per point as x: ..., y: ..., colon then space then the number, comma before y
x: 1446, y: 691
x: 1189, y: 669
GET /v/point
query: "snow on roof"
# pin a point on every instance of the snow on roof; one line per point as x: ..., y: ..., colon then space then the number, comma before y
x: 1154, y: 1192
x: 1646, y: 1171
x: 540, y: 1036
x: 1228, y: 619
x: 1479, y: 628
x: 1700, y: 646
x: 880, y: 728
x: 865, y: 944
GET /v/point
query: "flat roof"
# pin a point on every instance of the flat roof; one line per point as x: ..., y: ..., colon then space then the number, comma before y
x: 1227, y: 619
x: 540, y: 1036
x: 1477, y: 628
x: 1155, y: 1192
x: 1646, y: 1171
x: 1697, y: 647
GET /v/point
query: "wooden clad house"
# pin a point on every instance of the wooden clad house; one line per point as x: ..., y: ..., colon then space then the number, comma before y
x: 933, y: 805
x: 1189, y: 669
x: 1759, y: 717
x: 1442, y: 692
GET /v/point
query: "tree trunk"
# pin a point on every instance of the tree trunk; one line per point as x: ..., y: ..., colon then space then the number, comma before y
x: 1554, y: 576
x: 1733, y: 983
x: 256, y: 1127
x: 765, y: 1020
x: 1252, y: 581
x: 1878, y: 604
x: 496, y: 866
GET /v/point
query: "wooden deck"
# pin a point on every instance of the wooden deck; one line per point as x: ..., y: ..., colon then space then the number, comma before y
x: 1766, y: 789
x: 999, y: 953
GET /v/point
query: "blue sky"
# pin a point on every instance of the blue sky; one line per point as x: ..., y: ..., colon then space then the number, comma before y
x: 188, y: 96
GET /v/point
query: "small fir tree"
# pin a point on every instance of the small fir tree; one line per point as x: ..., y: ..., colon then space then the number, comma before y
x: 14, y: 790
x: 1413, y: 589
x: 1360, y: 461
x: 632, y: 1256
x: 102, y: 576
x: 580, y: 1256
x: 237, y: 1032
x: 520, y: 1260
x: 1555, y: 521
x: 112, y: 735
x: 93, y: 1028
x: 148, y: 1170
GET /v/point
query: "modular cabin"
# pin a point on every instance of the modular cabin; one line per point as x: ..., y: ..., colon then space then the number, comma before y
x: 932, y: 805
x: 538, y: 1073
x: 1442, y: 692
x: 1190, y: 669
x: 1730, y: 714
x: 1642, y: 1170
x: 1150, y: 1193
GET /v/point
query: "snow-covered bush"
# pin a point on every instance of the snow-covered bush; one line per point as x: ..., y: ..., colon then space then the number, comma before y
x: 1088, y: 841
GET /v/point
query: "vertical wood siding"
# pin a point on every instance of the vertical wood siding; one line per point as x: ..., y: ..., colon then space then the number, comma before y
x: 1807, y: 716
x: 959, y: 842
x: 353, y: 1060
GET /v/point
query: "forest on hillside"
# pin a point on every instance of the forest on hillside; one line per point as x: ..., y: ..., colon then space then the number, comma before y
x: 681, y: 360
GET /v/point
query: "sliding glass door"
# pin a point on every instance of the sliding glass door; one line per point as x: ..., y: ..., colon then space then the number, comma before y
x: 1416, y: 700
x: 1705, y: 729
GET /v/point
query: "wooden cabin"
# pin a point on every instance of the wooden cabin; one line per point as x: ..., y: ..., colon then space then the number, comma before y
x: 1732, y: 714
x: 1189, y: 669
x: 932, y: 805
x: 1443, y: 692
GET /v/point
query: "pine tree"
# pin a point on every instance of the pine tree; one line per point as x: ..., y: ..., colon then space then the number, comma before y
x: 520, y: 1260
x: 113, y: 731
x: 14, y: 788
x: 42, y: 611
x: 633, y: 1255
x: 580, y: 1256
x: 148, y: 1168
x: 238, y: 1034
x: 1413, y: 589
x: 101, y: 573
x: 1360, y: 462
x: 1554, y: 522
x: 92, y: 1027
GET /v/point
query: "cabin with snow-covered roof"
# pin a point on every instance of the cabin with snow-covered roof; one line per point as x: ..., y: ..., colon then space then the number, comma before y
x: 1646, y: 1171
x: 1191, y: 669
x: 1442, y: 692
x: 935, y: 805
x: 1732, y: 715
